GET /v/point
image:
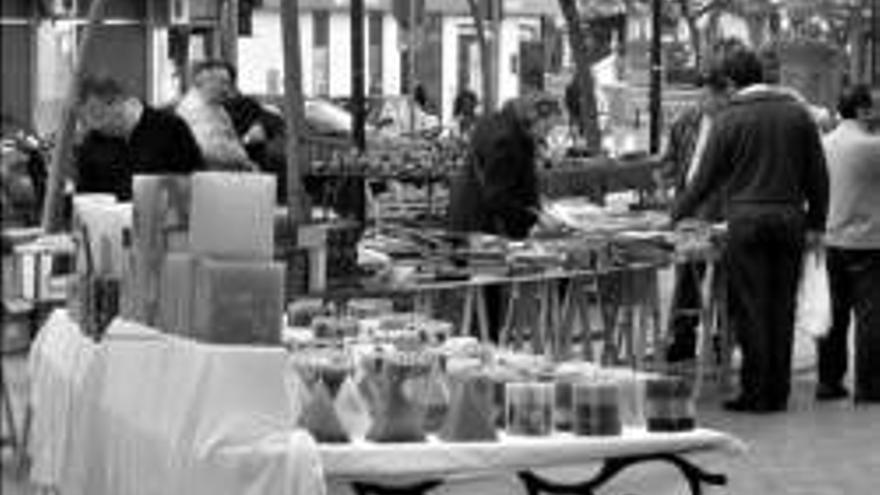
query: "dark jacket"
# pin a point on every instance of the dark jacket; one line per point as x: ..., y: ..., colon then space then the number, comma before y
x: 160, y: 143
x: 766, y: 150
x: 497, y: 193
x: 683, y: 135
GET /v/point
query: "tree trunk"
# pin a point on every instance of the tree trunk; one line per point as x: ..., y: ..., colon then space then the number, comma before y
x: 582, y: 54
x: 297, y: 202
x: 693, y: 32
x: 485, y: 58
x: 229, y: 31
x: 62, y: 151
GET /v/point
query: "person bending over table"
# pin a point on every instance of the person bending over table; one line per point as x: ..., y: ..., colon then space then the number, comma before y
x: 498, y: 191
x: 123, y: 136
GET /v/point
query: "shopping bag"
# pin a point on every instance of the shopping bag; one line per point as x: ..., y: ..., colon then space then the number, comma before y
x: 813, y: 314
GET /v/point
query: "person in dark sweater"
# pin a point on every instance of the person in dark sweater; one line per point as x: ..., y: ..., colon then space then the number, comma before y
x: 124, y: 137
x: 498, y: 191
x: 766, y: 152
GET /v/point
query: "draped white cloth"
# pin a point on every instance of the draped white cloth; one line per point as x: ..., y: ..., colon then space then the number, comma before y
x: 149, y: 413
x: 156, y: 414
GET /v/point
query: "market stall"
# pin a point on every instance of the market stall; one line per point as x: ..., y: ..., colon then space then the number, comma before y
x: 182, y: 363
x: 414, y: 175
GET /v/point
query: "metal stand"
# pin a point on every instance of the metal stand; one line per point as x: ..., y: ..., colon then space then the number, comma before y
x: 695, y: 477
x: 421, y: 488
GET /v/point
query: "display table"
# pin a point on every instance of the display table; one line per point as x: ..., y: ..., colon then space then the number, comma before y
x: 436, y: 460
x: 145, y: 412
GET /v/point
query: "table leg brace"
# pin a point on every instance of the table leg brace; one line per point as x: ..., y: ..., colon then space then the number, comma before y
x: 422, y: 488
x: 695, y: 477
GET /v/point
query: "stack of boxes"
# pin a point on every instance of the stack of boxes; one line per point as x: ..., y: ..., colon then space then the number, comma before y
x: 99, y: 223
x: 203, y: 257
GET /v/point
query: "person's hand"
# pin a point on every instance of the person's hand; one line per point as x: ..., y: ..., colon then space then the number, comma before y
x: 256, y: 134
x: 814, y: 239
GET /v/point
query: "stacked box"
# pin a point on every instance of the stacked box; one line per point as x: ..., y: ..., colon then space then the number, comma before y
x: 95, y: 287
x: 233, y: 215
x: 238, y: 290
x: 177, y: 293
x: 202, y: 252
x: 161, y: 226
x: 238, y: 302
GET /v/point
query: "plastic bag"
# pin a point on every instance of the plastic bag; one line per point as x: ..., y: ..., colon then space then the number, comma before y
x: 813, y: 313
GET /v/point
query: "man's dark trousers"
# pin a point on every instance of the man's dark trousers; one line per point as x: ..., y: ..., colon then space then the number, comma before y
x: 764, y: 253
x: 854, y: 280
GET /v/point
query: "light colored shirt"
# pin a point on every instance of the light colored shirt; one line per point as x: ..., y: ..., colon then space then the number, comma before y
x: 853, y: 157
x: 212, y: 127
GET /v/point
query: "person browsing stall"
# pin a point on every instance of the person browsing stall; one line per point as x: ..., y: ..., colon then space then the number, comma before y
x: 497, y: 193
x: 853, y: 241
x: 765, y: 152
x: 123, y: 137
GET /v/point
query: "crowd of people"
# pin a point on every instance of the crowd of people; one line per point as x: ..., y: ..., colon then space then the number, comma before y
x: 751, y: 154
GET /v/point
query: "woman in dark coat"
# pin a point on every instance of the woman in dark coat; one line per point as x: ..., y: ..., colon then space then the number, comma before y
x: 497, y: 193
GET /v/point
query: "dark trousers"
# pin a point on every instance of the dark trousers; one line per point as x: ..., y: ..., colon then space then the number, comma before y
x: 686, y: 299
x: 854, y: 280
x: 764, y: 258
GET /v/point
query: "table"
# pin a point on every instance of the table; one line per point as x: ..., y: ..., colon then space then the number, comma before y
x: 366, y: 464
x: 145, y: 412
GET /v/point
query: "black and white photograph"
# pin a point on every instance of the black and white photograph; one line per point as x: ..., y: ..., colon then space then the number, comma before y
x: 440, y: 247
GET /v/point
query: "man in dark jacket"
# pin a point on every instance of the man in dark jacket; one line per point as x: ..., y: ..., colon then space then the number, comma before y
x: 124, y: 137
x: 766, y: 151
x: 497, y: 193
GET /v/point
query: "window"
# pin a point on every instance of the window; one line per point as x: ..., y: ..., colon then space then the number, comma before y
x: 321, y: 52
x: 374, y: 30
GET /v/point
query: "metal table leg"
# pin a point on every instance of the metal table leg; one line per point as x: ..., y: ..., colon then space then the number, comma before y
x: 421, y: 488
x: 694, y: 476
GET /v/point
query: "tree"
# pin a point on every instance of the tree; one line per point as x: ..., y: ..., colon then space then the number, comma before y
x: 756, y: 13
x: 485, y: 60
x: 583, y: 52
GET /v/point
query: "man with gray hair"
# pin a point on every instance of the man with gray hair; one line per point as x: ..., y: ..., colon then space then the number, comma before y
x: 202, y: 108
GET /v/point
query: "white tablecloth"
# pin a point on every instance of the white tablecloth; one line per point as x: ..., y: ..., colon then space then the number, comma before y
x: 148, y: 413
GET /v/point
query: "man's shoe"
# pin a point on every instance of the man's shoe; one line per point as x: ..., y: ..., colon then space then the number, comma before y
x: 741, y: 404
x: 862, y: 398
x: 827, y: 391
x: 683, y: 349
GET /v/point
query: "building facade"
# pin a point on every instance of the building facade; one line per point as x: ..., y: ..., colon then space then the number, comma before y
x: 445, y: 48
